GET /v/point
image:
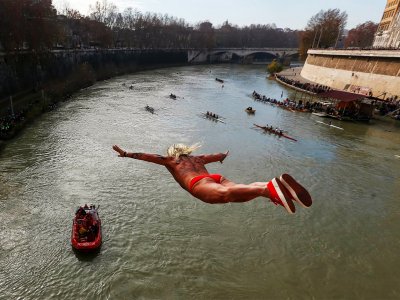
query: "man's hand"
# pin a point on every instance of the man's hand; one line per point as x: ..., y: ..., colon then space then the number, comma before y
x: 225, y: 155
x: 121, y: 152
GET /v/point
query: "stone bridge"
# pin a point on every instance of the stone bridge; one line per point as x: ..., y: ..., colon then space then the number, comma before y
x: 228, y: 54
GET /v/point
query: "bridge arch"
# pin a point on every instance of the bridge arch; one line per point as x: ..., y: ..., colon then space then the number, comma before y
x: 227, y: 53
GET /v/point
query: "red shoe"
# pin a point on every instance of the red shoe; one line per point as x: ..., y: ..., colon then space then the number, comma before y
x: 280, y: 195
x: 298, y: 192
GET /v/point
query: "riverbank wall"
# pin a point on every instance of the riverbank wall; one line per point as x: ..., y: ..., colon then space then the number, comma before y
x: 30, y: 70
x: 32, y: 83
x: 370, y: 72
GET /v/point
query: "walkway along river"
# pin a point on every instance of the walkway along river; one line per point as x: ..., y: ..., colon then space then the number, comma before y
x: 159, y: 242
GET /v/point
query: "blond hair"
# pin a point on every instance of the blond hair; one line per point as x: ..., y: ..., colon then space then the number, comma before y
x: 181, y: 149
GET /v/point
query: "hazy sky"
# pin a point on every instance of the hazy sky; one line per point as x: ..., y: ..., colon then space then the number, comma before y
x: 284, y: 13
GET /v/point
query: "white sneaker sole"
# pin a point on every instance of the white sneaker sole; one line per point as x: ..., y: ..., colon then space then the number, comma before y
x: 283, y: 196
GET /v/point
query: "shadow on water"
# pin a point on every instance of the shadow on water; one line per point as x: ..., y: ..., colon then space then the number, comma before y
x: 86, y: 256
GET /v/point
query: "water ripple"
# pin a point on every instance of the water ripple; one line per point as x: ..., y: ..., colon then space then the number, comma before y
x: 160, y: 242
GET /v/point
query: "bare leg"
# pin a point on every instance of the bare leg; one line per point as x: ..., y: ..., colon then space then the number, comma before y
x: 227, y: 191
x: 227, y: 182
x: 259, y: 183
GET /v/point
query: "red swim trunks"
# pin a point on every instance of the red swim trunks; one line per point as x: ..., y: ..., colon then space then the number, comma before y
x: 215, y: 177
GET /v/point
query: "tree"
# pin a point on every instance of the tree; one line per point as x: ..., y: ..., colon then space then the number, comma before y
x: 104, y: 12
x: 27, y: 23
x: 274, y: 67
x: 12, y: 24
x: 42, y: 29
x: 325, y: 28
x: 361, y: 36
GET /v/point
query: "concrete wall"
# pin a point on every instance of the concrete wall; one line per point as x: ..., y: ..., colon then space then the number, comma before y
x: 31, y: 71
x: 198, y: 56
x: 375, y: 71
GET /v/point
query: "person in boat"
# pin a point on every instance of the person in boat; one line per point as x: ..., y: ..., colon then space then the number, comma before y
x: 90, y: 227
x: 191, y: 174
x: 80, y: 213
x: 83, y: 228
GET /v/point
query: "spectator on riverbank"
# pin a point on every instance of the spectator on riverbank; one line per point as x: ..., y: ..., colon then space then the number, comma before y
x: 8, y: 123
x: 314, y: 88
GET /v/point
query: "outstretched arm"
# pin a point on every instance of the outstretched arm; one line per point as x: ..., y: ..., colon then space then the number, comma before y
x: 154, y: 158
x: 209, y: 158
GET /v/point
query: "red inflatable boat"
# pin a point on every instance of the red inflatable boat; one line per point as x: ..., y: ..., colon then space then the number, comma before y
x: 86, y: 229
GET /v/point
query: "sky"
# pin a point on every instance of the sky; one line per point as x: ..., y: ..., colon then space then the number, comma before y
x: 293, y: 14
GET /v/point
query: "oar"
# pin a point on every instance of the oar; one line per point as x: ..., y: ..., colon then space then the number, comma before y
x: 219, y: 116
x: 204, y: 116
x: 337, y: 127
x: 215, y: 118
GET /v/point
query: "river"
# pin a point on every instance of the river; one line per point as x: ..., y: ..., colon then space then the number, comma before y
x: 161, y: 243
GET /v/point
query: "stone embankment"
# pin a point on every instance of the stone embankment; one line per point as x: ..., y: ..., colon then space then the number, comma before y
x: 32, y: 83
x: 370, y: 72
x: 293, y: 79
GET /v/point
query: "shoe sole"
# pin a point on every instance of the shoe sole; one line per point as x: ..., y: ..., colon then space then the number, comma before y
x: 299, y: 193
x: 284, y: 196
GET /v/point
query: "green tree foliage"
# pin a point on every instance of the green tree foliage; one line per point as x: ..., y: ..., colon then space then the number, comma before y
x: 274, y: 67
x: 361, y: 36
x: 323, y: 30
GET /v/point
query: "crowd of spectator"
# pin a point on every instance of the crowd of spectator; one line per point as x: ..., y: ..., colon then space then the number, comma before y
x: 311, y: 87
x: 390, y: 107
x: 9, y: 122
x: 327, y: 108
x: 300, y: 105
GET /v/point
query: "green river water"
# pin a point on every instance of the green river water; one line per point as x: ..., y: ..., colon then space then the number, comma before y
x: 161, y: 243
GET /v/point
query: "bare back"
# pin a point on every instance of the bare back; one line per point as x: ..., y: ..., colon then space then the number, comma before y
x: 184, y: 168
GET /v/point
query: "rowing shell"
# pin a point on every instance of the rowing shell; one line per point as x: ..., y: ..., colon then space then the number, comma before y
x: 205, y: 116
x: 330, y: 125
x: 150, y: 109
x: 267, y: 130
x: 398, y: 156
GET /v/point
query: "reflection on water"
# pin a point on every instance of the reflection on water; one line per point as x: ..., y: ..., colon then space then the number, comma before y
x: 158, y: 241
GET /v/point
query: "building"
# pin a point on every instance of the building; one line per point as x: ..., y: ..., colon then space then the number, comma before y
x: 394, y: 37
x: 387, y: 35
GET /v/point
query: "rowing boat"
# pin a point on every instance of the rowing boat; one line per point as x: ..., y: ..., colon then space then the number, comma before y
x: 211, y: 117
x: 250, y: 110
x: 266, y: 129
x: 398, y: 156
x: 337, y: 127
x: 149, y: 109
